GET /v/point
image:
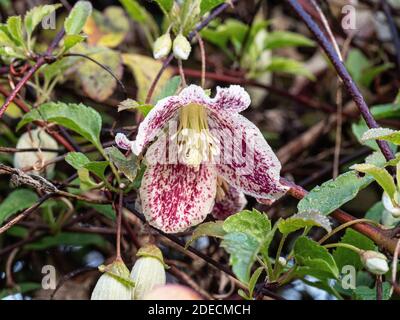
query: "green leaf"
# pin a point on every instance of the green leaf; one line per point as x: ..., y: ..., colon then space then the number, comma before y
x: 128, y: 166
x: 253, y: 223
x: 22, y: 288
x: 356, y: 63
x: 135, y: 10
x: 366, y: 293
x: 77, y: 17
x: 243, y: 250
x: 17, y: 231
x: 165, y: 5
x: 332, y: 194
x: 76, y: 117
x: 302, y: 220
x: 381, y: 175
x: 384, y: 111
x: 170, y: 88
x: 16, y: 201
x: 78, y: 160
x: 5, y: 39
x: 315, y: 258
x: 344, y: 256
x: 210, y: 229
x: 253, y: 280
x: 208, y: 5
x: 359, y: 128
x: 375, y: 212
x: 68, y: 239
x: 289, y: 66
x: 130, y: 104
x: 72, y: 40
x: 36, y: 15
x: 382, y: 134
x: 248, y: 233
x: 105, y: 209
x: 281, y: 39
x: 371, y: 73
x: 14, y: 25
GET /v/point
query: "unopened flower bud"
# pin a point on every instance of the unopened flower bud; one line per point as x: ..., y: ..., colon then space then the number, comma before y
x: 388, y: 220
x: 387, y: 203
x: 172, y: 292
x: 282, y: 261
x: 162, y: 46
x: 182, y: 47
x: 33, y: 139
x: 148, y: 271
x: 374, y: 262
x: 114, y: 284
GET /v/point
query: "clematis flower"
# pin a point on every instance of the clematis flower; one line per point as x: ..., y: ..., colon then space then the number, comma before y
x: 191, y: 142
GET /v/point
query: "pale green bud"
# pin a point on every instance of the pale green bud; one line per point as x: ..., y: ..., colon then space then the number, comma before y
x: 182, y: 47
x: 374, y: 262
x: 148, y: 271
x: 282, y: 261
x: 33, y: 139
x: 114, y: 284
x: 388, y: 204
x: 162, y: 46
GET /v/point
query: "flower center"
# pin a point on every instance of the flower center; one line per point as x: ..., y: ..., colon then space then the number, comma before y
x: 196, y: 144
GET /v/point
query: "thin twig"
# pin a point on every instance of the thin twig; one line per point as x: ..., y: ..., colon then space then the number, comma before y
x: 203, y: 59
x: 42, y: 60
x: 25, y: 213
x: 393, y: 30
x: 104, y: 67
x: 348, y: 82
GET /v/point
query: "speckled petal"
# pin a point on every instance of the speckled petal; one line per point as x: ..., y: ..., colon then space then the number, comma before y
x: 176, y: 197
x: 247, y: 161
x: 157, y: 118
x: 164, y: 111
x: 233, y: 202
x: 232, y: 99
x: 123, y: 142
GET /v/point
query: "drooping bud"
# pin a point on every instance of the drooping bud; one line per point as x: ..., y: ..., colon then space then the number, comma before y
x: 162, y: 46
x: 114, y: 284
x: 36, y: 139
x: 172, y: 292
x: 148, y: 271
x: 374, y: 262
x: 388, y: 220
x: 182, y: 47
x: 282, y: 261
x: 388, y: 204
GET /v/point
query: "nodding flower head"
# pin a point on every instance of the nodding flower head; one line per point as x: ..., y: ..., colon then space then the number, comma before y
x: 210, y: 160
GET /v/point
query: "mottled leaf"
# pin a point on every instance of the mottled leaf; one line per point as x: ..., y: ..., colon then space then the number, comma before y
x: 332, y: 194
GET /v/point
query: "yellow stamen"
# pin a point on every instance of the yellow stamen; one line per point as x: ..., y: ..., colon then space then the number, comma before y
x: 196, y: 144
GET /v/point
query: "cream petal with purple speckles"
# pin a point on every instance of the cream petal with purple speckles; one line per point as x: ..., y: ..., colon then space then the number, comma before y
x: 247, y: 161
x: 176, y: 197
x: 233, y: 202
x: 123, y: 142
x: 232, y: 99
